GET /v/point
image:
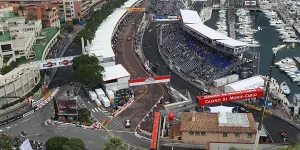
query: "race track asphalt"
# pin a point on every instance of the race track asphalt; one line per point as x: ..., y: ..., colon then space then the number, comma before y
x: 145, y: 98
x: 272, y: 124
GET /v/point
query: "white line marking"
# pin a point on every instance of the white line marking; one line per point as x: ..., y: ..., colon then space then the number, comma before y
x: 99, y: 109
x: 33, y: 135
x: 46, y: 122
x: 96, y: 109
x: 29, y: 118
x: 89, y: 102
x: 93, y: 111
x: 128, y: 147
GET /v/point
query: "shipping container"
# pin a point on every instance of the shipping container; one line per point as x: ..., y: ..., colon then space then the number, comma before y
x: 228, y: 88
x: 244, y: 75
x: 92, y: 95
x: 232, y: 78
x: 110, y: 94
x: 100, y: 93
x: 220, y: 82
x: 105, y: 101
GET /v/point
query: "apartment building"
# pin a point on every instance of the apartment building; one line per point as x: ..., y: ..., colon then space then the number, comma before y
x: 17, y: 37
x: 48, y: 13
x: 200, y: 128
x: 67, y: 9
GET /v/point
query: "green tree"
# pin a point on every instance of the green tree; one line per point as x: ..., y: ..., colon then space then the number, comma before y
x: 21, y: 8
x: 59, y: 37
x: 5, y: 69
x: 55, y: 109
x: 69, y: 27
x: 56, y: 143
x: 114, y: 143
x: 6, y: 143
x: 88, y: 71
x: 84, y: 115
x: 74, y: 144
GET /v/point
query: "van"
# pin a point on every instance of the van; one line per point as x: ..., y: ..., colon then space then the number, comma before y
x: 97, y: 101
x: 105, y: 101
x: 99, y: 93
x: 92, y: 95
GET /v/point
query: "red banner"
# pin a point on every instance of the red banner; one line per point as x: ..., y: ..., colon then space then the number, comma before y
x: 229, y: 97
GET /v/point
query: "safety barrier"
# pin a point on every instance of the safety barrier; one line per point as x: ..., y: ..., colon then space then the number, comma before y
x: 123, y: 107
x: 46, y: 101
x: 46, y: 96
x: 17, y: 117
x: 257, y: 109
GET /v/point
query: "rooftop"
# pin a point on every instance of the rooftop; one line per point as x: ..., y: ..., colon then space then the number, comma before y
x: 10, y: 15
x: 210, y: 122
x: 5, y: 36
x: 115, y: 72
x: 39, y: 46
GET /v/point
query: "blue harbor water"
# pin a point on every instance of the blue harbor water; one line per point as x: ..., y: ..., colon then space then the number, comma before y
x: 268, y: 39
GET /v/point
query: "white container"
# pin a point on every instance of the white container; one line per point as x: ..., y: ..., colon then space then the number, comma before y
x: 97, y: 101
x: 100, y: 93
x: 232, y: 78
x: 228, y: 88
x: 220, y: 82
x: 92, y: 95
x: 110, y: 94
x: 105, y: 101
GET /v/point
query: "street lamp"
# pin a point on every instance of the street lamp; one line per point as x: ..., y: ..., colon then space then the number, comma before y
x: 268, y: 80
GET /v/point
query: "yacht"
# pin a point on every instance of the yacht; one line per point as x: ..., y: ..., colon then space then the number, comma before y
x: 286, y: 62
x: 284, y: 88
x: 290, y: 40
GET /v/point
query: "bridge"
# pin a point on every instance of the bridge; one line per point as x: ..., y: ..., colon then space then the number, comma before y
x: 54, y: 63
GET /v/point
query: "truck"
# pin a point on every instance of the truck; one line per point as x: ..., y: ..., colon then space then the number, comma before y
x: 100, y: 93
x: 97, y: 101
x: 92, y: 95
x: 110, y: 94
x: 105, y: 101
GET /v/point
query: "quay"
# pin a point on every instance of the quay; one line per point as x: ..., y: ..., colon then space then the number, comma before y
x: 297, y: 59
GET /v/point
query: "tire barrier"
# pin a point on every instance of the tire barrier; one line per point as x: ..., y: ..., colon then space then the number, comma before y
x: 46, y: 101
x: 123, y: 107
x: 257, y: 108
x: 17, y: 117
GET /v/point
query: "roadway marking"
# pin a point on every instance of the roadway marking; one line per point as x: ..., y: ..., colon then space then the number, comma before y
x: 99, y: 109
x: 89, y: 102
x: 37, y: 124
x: 93, y: 110
x: 29, y: 118
x: 104, y: 137
x: 32, y: 135
x: 46, y: 122
x: 96, y: 109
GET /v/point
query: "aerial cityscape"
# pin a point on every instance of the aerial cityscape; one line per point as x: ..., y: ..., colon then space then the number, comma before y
x: 149, y: 75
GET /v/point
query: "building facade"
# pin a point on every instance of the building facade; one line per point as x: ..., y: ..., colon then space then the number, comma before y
x: 67, y: 9
x: 18, y: 82
x: 201, y: 128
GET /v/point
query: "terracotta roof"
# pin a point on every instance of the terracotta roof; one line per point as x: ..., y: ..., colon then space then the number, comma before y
x: 209, y: 122
x: 44, y: 6
x: 174, y: 131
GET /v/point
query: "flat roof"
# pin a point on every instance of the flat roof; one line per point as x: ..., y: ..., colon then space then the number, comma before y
x: 232, y: 43
x: 207, y: 31
x: 115, y: 72
x: 101, y: 44
x: 5, y: 36
x: 190, y: 17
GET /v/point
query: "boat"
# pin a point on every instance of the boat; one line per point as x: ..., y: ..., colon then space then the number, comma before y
x: 286, y: 63
x: 284, y: 88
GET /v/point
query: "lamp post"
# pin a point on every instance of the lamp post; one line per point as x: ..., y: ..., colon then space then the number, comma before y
x: 268, y: 80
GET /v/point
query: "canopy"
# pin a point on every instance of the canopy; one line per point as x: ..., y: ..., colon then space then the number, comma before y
x: 220, y: 109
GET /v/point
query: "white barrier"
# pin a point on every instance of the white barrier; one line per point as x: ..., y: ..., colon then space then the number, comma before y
x: 55, y: 92
x: 123, y: 107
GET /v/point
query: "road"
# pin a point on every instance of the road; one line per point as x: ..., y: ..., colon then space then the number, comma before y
x: 272, y: 124
x: 146, y: 96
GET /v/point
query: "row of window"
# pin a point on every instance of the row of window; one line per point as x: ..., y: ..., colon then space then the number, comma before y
x: 225, y: 134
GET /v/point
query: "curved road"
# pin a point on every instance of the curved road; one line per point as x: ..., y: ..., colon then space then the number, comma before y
x: 272, y: 124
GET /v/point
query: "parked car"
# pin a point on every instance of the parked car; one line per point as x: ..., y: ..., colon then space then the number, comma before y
x: 127, y: 124
x: 243, y: 109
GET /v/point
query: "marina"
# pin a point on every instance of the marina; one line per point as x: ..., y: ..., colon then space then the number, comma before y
x: 297, y: 59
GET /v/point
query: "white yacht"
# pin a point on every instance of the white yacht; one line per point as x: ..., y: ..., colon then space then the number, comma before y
x: 285, y: 89
x: 287, y: 62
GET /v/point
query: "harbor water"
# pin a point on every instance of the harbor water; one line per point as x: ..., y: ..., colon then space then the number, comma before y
x: 268, y: 39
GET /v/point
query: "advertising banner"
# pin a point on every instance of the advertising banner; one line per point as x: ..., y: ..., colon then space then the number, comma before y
x: 143, y: 81
x: 135, y: 9
x: 53, y: 63
x: 250, y: 3
x: 165, y: 18
x: 229, y: 97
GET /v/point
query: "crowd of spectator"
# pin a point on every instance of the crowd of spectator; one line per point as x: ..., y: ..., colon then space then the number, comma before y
x: 59, y: 45
x: 191, y: 56
x: 166, y: 7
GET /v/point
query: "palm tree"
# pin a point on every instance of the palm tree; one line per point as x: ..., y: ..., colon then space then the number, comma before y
x: 114, y: 143
x: 21, y: 8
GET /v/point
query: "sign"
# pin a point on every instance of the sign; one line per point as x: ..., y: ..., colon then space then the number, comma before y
x: 229, y: 97
x: 135, y: 9
x: 144, y: 81
x: 53, y: 63
x: 250, y: 3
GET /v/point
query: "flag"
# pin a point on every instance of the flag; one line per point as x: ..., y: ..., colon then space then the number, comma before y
x: 143, y: 81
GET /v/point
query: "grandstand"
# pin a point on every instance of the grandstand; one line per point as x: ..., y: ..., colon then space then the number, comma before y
x: 203, y: 54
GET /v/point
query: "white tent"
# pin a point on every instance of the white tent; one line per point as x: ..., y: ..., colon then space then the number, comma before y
x: 220, y: 109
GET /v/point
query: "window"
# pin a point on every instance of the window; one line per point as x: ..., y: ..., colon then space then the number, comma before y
x: 249, y: 135
x: 237, y: 134
x: 179, y: 138
x: 191, y: 133
x: 197, y: 133
x: 225, y: 134
x: 203, y: 134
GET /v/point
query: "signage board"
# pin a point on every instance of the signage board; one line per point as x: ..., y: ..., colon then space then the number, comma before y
x: 250, y: 3
x: 135, y: 9
x: 26, y: 145
x: 154, y: 80
x: 165, y: 18
x: 53, y: 63
x: 229, y: 97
